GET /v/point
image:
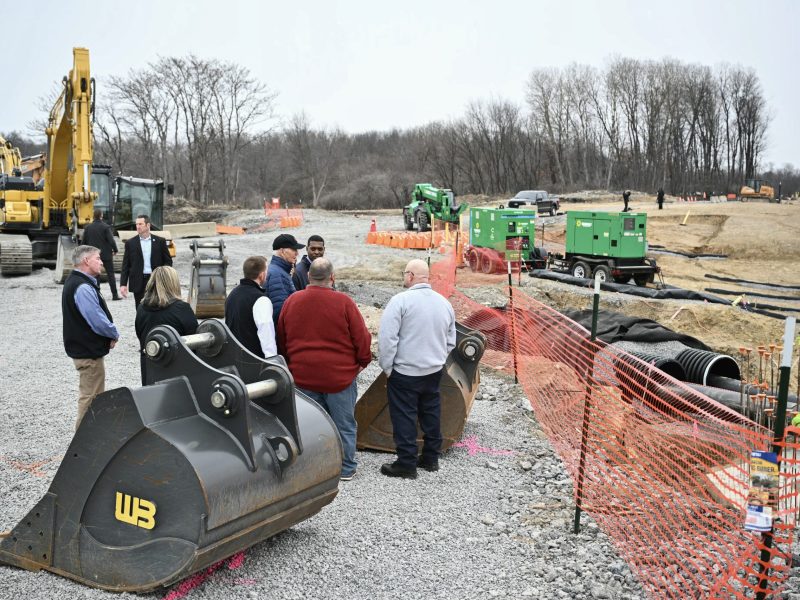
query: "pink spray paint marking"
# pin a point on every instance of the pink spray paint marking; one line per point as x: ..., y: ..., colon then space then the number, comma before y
x: 196, y: 580
x: 473, y: 447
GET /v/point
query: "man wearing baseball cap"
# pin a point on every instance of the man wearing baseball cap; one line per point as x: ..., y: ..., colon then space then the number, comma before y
x: 279, y: 274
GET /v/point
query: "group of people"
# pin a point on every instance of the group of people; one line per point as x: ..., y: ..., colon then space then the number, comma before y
x: 626, y: 198
x: 286, y: 307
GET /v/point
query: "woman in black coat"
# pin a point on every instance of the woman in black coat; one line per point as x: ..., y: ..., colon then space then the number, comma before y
x: 162, y: 305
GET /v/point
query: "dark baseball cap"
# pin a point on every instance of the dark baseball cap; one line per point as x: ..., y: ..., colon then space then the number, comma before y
x: 285, y: 240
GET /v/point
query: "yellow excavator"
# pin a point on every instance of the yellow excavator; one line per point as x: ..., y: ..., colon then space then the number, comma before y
x: 41, y: 220
x: 757, y: 189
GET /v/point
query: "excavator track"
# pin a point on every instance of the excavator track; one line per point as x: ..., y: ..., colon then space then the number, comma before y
x: 16, y: 255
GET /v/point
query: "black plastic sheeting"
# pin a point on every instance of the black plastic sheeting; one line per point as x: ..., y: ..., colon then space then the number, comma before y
x: 617, y: 327
x: 663, y: 250
x: 757, y: 294
x: 758, y: 283
x: 667, y: 293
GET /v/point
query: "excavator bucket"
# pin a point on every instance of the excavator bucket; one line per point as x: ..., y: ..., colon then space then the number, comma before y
x: 216, y: 453
x: 207, y: 291
x: 459, y: 383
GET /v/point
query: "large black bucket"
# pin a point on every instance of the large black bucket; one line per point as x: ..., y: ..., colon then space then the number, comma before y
x: 215, y: 454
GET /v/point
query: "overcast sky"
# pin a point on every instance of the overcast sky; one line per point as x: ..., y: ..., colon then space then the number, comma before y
x: 364, y: 65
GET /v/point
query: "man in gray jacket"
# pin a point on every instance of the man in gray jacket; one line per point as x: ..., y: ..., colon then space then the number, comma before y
x: 417, y: 332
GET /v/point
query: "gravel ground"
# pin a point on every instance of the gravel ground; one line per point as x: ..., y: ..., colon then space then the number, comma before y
x: 495, y: 521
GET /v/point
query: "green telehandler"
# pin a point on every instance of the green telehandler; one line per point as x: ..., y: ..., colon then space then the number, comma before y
x: 428, y: 203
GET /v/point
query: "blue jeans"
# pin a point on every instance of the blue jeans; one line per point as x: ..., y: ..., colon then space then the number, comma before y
x: 341, y: 407
x: 413, y: 399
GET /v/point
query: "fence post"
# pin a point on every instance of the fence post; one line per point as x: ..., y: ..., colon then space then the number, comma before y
x: 587, y: 407
x: 513, y: 322
x: 780, y: 427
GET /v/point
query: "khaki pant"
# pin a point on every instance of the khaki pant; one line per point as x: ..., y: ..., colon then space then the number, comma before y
x: 91, y: 381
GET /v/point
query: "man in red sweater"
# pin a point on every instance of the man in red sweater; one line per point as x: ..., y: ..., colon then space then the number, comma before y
x: 326, y: 343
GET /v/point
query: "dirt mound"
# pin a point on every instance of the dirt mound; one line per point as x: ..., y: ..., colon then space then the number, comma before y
x: 181, y: 210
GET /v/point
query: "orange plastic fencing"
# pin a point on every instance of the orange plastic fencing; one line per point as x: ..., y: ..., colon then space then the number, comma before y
x: 665, y: 470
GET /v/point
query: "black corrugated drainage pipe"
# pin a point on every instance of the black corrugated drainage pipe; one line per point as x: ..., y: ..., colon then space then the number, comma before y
x: 633, y: 378
x: 702, y: 364
x: 670, y: 366
x: 734, y: 385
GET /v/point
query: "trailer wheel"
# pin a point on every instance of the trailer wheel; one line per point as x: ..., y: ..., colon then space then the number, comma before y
x: 474, y: 262
x: 641, y: 279
x: 581, y: 269
x: 487, y: 264
x: 602, y: 272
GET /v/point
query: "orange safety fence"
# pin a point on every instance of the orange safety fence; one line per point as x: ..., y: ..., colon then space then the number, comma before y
x: 664, y: 470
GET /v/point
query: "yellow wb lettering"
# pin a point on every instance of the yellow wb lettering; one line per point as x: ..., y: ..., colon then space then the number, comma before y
x: 135, y: 511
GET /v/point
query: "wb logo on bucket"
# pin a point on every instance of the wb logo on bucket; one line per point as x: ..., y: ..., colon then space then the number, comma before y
x: 136, y: 511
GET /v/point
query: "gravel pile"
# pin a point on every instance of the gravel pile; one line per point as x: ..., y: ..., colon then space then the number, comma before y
x: 494, y: 522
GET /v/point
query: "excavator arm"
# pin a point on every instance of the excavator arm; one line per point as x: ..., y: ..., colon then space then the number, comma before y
x: 68, y: 195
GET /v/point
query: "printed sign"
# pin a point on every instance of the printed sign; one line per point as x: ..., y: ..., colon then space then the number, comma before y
x: 762, y: 499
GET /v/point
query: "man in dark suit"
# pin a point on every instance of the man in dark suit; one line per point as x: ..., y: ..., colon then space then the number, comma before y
x: 143, y: 253
x: 98, y: 234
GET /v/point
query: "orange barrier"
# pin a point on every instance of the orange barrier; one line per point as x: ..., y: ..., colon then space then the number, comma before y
x: 418, y: 241
x: 284, y: 217
x: 664, y: 470
x: 230, y: 230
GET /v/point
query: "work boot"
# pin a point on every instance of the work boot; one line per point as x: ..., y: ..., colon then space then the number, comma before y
x: 428, y: 465
x: 396, y: 470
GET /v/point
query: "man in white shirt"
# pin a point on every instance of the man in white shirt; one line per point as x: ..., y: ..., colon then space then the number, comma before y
x: 143, y: 254
x: 248, y: 310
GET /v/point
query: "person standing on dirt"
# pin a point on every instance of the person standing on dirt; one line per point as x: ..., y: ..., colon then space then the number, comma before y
x: 98, y: 234
x: 660, y: 198
x: 279, y: 273
x: 162, y: 305
x: 315, y: 248
x: 626, y: 197
x: 88, y: 327
x: 248, y: 310
x: 320, y: 327
x: 417, y: 332
x: 143, y: 253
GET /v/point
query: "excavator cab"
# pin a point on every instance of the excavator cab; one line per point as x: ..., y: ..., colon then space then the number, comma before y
x: 102, y: 185
x: 133, y: 197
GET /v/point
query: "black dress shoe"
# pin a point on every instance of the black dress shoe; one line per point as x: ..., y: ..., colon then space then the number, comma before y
x: 117, y: 298
x: 428, y: 465
x: 395, y: 470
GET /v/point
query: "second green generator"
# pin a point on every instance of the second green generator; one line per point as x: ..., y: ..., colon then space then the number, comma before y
x: 606, y: 245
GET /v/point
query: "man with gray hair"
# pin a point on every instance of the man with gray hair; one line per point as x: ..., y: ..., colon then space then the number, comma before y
x: 88, y: 329
x: 417, y: 332
x: 326, y: 343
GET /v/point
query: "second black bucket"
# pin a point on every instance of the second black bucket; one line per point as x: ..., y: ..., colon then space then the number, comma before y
x: 702, y: 364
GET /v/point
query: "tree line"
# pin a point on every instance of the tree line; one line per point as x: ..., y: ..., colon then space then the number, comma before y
x: 210, y: 128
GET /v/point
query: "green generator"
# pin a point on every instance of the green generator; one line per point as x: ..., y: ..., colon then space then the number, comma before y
x: 606, y: 245
x: 617, y: 234
x: 498, y: 235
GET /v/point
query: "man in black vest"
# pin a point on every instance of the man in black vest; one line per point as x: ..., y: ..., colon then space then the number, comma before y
x: 98, y: 234
x: 89, y: 331
x: 248, y: 310
x: 143, y: 253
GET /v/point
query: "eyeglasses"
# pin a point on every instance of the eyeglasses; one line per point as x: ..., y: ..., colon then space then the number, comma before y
x: 407, y: 273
